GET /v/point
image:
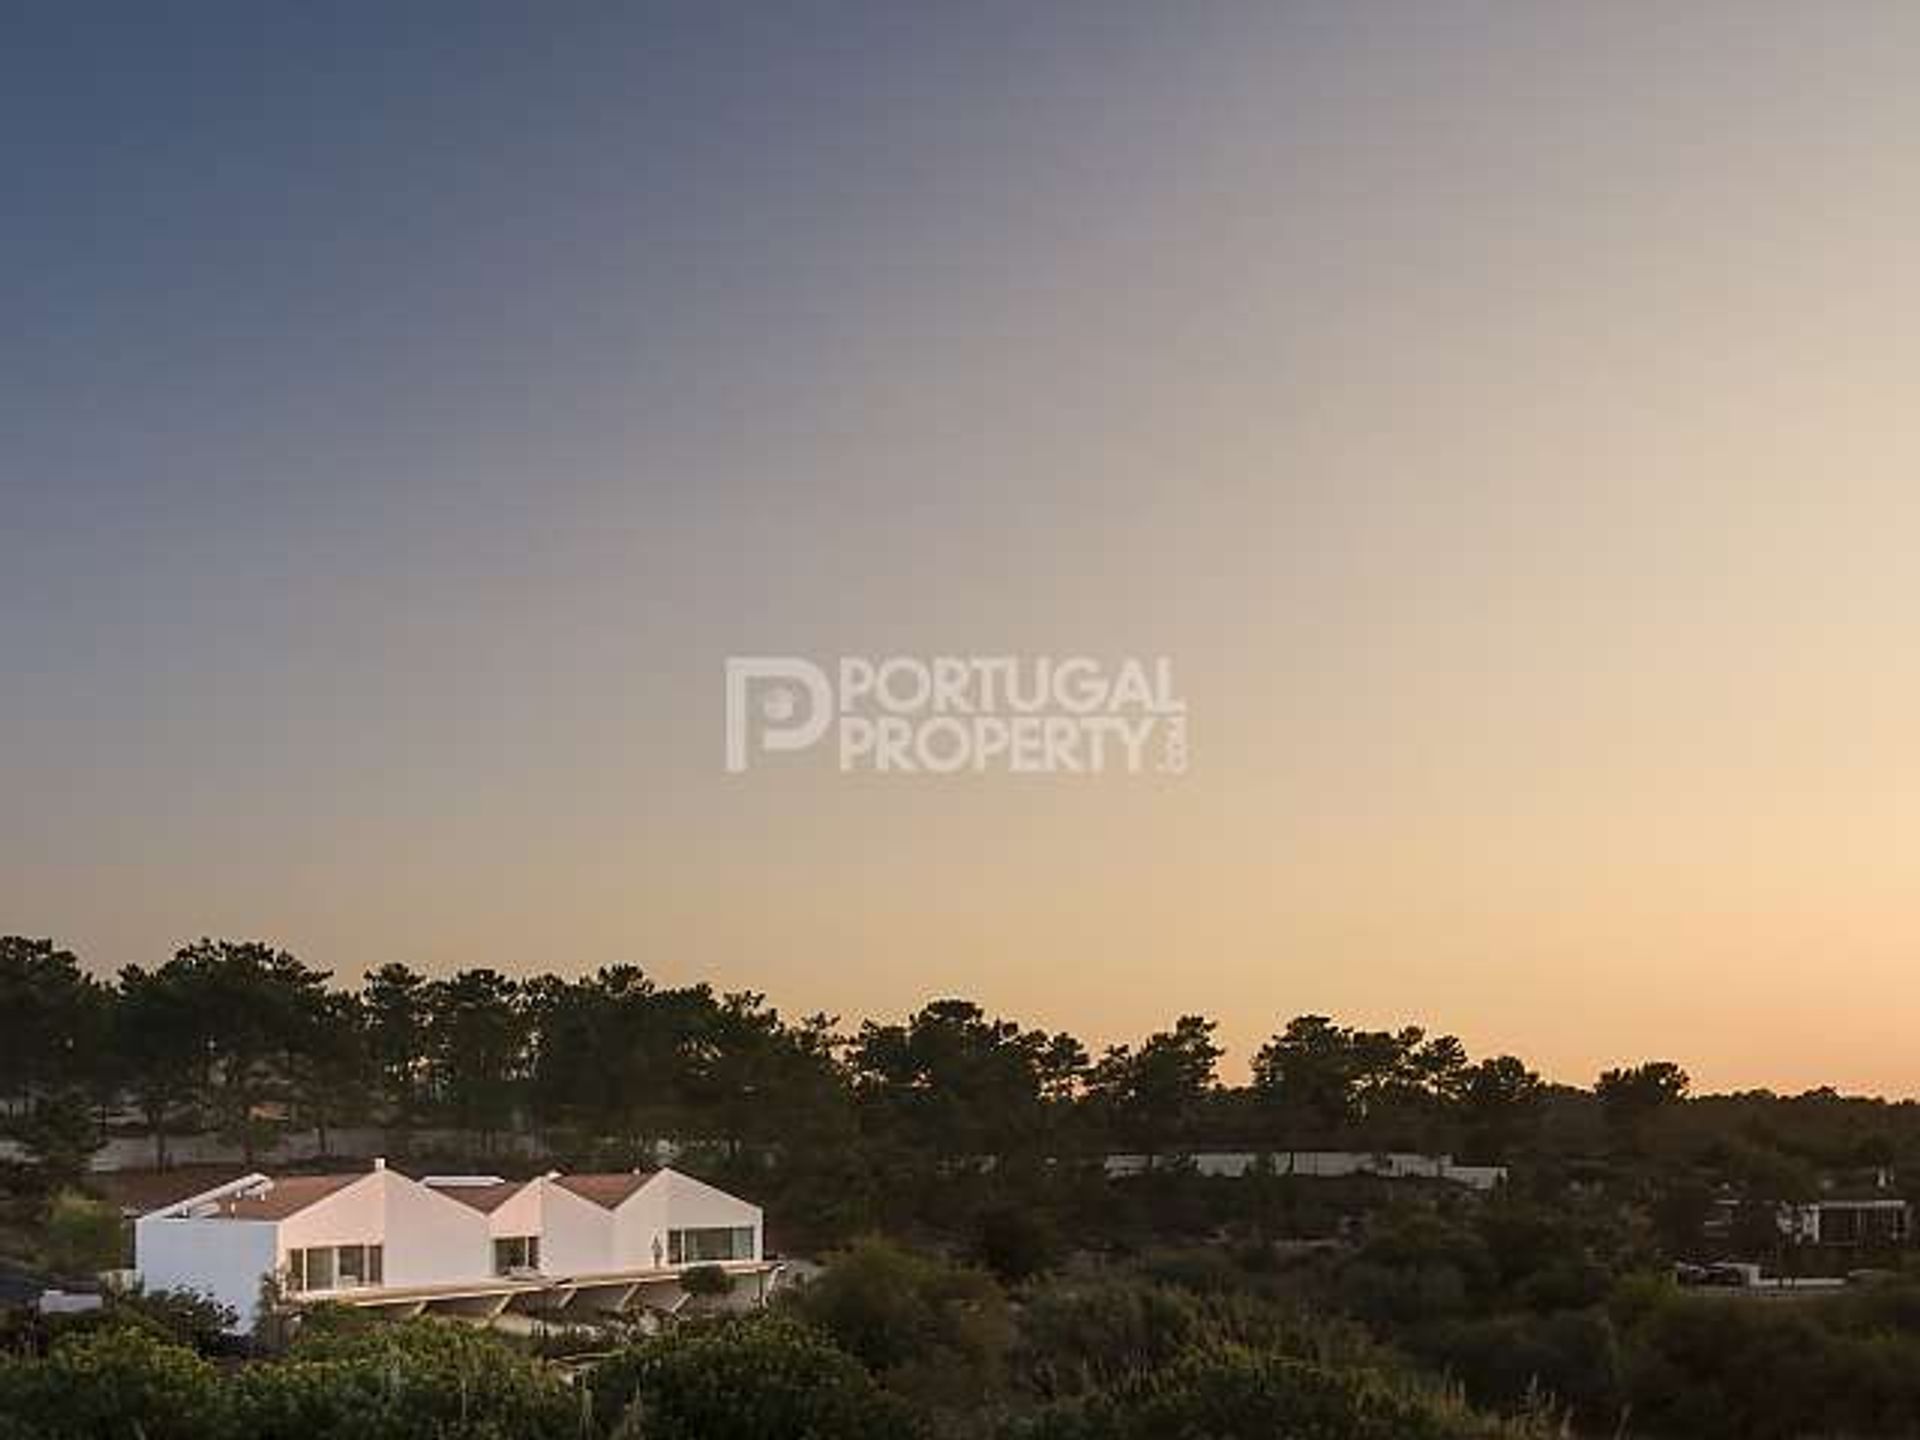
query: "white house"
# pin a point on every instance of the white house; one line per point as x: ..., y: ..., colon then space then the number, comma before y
x: 474, y: 1245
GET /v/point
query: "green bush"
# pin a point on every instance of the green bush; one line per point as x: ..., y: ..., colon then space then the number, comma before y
x: 1573, y: 1356
x: 1238, y: 1394
x: 175, y: 1317
x: 1729, y: 1368
x: 83, y: 1236
x: 931, y: 1331
x: 1081, y: 1336
x: 401, y: 1381
x: 762, y: 1378
x: 183, y: 1317
x: 706, y: 1281
x: 1016, y: 1242
x: 19, y: 1395
x: 115, y: 1383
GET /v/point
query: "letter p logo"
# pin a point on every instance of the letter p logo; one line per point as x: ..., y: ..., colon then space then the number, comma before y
x: 777, y: 702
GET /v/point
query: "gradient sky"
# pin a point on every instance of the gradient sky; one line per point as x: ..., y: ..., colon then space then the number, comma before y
x: 1507, y: 417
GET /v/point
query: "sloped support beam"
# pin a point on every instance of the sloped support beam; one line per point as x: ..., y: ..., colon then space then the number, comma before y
x: 606, y: 1299
x: 471, y: 1307
x: 545, y: 1302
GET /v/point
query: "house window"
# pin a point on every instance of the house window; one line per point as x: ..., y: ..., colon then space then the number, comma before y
x: 516, y: 1252
x: 709, y: 1244
x: 358, y: 1265
x: 335, y: 1267
x: 320, y: 1268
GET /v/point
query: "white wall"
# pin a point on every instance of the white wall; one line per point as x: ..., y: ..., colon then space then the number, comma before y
x: 576, y: 1235
x: 520, y: 1214
x: 432, y: 1240
x: 428, y: 1239
x: 223, y: 1258
x: 672, y: 1201
x: 640, y: 1220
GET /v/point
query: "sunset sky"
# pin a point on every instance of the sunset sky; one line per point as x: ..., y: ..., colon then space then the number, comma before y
x: 1506, y: 417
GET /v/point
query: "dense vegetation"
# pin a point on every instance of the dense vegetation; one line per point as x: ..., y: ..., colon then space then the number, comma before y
x: 1024, y: 1291
x: 890, y: 1343
x: 826, y: 1363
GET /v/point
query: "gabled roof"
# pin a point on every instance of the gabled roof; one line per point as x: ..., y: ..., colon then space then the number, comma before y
x: 281, y: 1198
x: 484, y: 1198
x: 609, y: 1190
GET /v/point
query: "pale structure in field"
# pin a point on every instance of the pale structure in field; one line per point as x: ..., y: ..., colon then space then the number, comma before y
x: 473, y: 1245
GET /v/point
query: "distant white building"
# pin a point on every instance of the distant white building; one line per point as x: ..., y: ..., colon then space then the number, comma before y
x: 467, y: 1245
x: 1881, y: 1220
x: 1319, y: 1164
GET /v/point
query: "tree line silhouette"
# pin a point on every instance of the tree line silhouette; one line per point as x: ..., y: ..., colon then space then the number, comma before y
x: 245, y: 1040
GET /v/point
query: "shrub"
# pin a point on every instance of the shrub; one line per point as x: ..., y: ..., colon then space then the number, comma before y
x: 184, y: 1317
x: 706, y: 1281
x: 110, y: 1384
x: 1016, y: 1242
x: 1081, y: 1336
x: 761, y: 1378
x: 174, y: 1317
x: 886, y: 1306
x: 1236, y: 1393
x: 1714, y: 1368
x: 1503, y: 1359
x: 404, y: 1380
x: 83, y: 1235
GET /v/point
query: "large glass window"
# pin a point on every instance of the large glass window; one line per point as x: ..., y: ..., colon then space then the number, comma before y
x: 516, y: 1252
x: 320, y: 1268
x: 709, y: 1244
x: 335, y: 1267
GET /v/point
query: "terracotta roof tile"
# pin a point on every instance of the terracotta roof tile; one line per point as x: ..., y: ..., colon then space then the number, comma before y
x: 606, y: 1190
x: 485, y: 1198
x: 288, y: 1196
